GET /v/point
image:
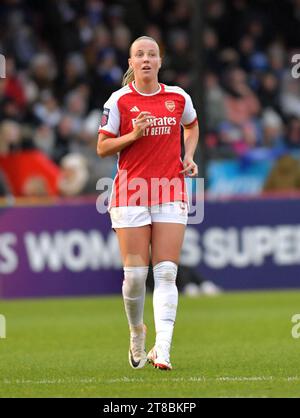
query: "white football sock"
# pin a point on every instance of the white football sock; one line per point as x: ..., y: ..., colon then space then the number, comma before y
x: 134, y: 289
x: 165, y: 300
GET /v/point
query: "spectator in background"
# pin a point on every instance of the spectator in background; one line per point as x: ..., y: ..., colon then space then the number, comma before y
x: 35, y: 187
x: 9, y: 110
x: 20, y: 37
x: 277, y: 59
x: 156, y: 12
x: 285, y: 175
x: 246, y: 51
x: 115, y: 16
x: 217, y: 18
x: 272, y: 125
x: 109, y: 72
x: 9, y: 96
x: 179, y: 58
x: 215, y: 101
x: 290, y: 96
x: 74, y: 73
x: 47, y: 110
x: 13, y: 87
x: 242, y: 107
x: 11, y: 136
x: 292, y: 139
x: 85, y: 146
x: 121, y: 42
x: 241, y: 102
x: 229, y: 59
x: 257, y: 29
x: 43, y: 71
x: 75, y: 108
x: 268, y: 91
x: 74, y: 175
x: 44, y: 139
x: 179, y: 15
x: 211, y: 45
x: 64, y: 136
x: 95, y: 12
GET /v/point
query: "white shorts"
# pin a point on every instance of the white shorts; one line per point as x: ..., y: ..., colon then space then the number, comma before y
x: 133, y: 216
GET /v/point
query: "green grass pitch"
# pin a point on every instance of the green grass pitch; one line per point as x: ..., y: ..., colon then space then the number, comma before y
x: 234, y: 345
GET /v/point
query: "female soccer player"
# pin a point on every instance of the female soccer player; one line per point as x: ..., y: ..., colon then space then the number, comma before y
x: 149, y: 206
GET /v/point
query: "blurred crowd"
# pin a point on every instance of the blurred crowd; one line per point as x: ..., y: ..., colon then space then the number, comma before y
x: 253, y: 101
x: 65, y: 57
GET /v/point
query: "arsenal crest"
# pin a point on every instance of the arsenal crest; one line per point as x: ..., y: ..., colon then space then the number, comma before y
x: 170, y: 105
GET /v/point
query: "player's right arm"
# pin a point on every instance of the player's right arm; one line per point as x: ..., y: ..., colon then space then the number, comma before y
x: 108, y: 145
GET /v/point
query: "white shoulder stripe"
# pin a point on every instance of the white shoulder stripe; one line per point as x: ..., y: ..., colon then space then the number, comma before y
x: 121, y: 92
x: 174, y: 89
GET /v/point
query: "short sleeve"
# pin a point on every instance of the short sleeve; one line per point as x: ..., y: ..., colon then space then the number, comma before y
x: 110, y: 120
x: 189, y: 115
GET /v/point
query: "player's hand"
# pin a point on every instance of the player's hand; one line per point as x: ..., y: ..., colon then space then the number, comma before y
x: 190, y: 168
x: 143, y: 121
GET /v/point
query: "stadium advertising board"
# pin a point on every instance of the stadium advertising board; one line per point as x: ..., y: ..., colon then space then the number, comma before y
x: 71, y: 249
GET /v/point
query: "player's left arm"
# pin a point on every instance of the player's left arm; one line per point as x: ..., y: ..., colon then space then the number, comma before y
x: 191, y: 136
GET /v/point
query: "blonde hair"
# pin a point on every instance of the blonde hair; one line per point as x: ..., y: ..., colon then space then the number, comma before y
x: 128, y: 77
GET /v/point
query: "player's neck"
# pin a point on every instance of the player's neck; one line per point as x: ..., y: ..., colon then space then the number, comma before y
x: 146, y: 87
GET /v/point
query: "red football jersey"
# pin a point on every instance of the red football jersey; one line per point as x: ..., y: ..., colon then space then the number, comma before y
x: 149, y: 169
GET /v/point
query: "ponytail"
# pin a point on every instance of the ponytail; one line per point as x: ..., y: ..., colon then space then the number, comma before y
x: 128, y: 77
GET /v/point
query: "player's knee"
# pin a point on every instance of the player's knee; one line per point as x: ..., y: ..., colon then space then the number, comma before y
x: 165, y: 272
x: 135, y: 279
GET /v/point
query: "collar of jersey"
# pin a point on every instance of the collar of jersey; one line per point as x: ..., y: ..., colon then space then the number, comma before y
x: 146, y: 94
